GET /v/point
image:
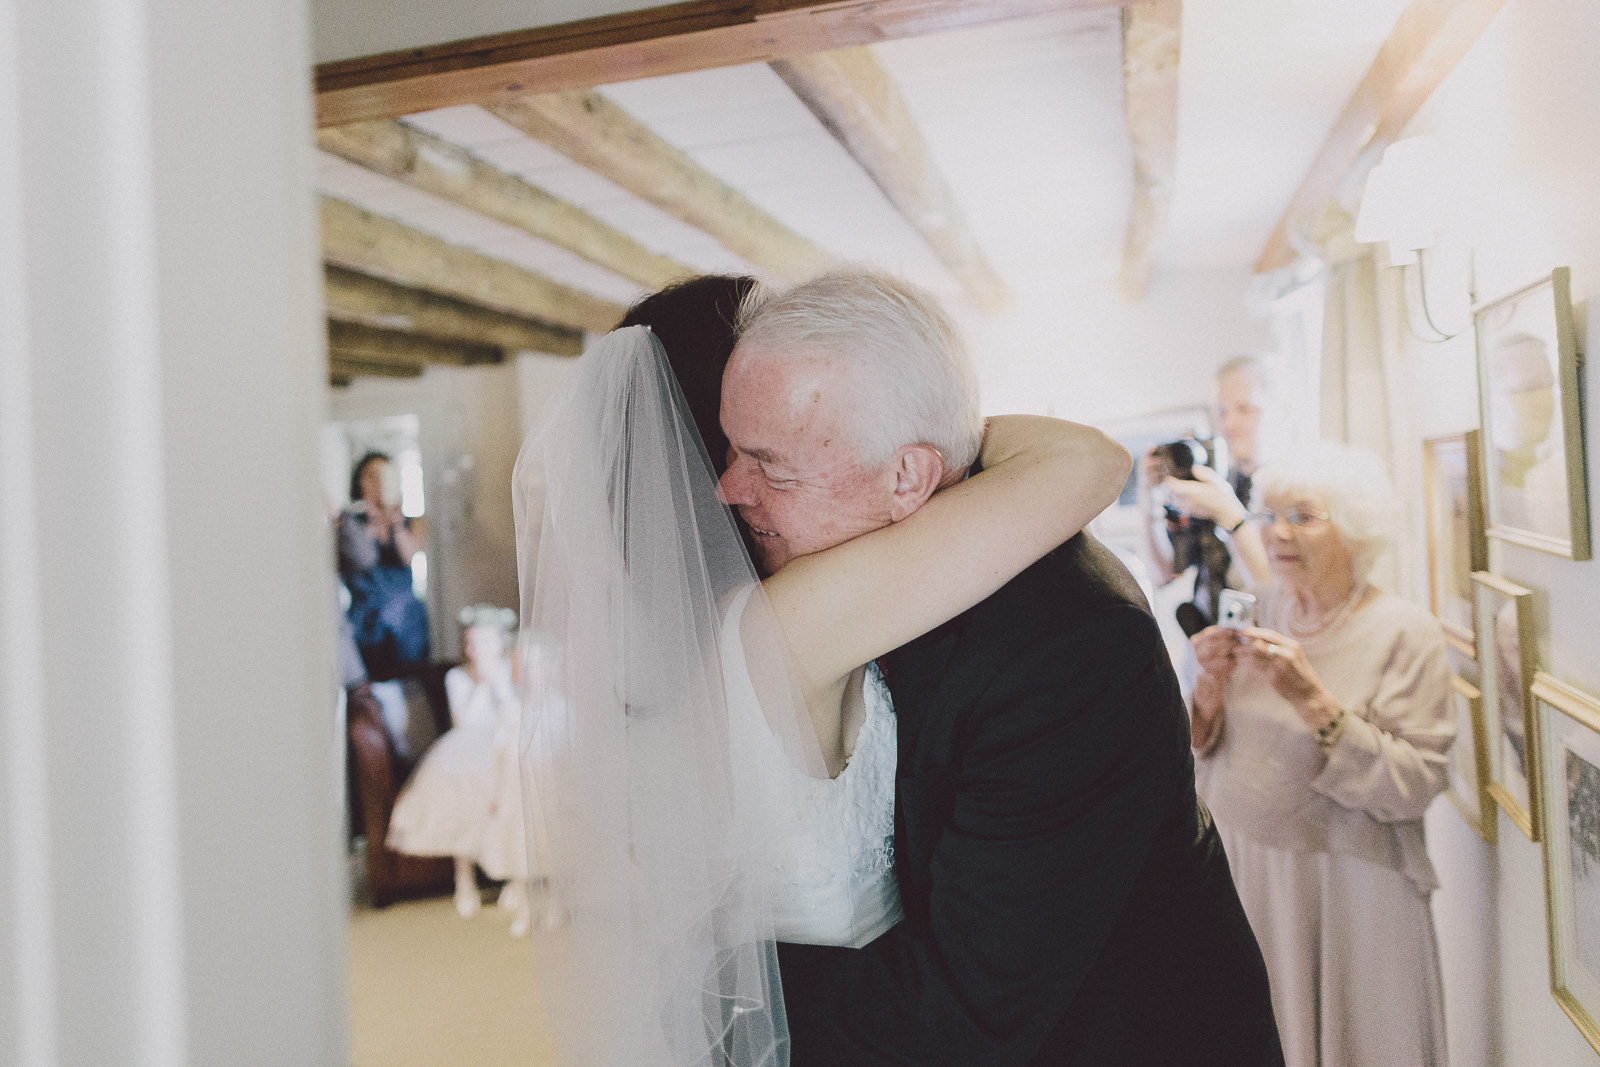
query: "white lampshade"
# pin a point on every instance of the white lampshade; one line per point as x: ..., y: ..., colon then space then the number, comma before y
x: 1405, y: 200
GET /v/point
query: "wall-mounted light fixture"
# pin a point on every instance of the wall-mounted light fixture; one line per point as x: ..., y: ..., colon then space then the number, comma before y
x: 1406, y: 204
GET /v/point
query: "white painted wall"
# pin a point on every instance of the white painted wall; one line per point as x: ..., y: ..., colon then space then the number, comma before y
x: 170, y: 882
x: 1084, y: 354
x: 1518, y: 117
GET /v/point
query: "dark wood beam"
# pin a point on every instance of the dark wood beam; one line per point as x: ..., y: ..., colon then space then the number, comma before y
x: 355, y: 342
x: 1428, y: 40
x: 384, y: 248
x: 638, y: 44
x: 342, y: 368
x: 361, y: 298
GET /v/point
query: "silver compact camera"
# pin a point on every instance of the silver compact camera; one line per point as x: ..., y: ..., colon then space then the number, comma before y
x: 1236, y: 610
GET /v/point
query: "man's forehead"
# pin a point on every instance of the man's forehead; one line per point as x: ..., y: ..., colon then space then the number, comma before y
x: 770, y: 390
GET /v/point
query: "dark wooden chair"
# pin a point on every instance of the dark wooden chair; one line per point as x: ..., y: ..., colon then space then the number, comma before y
x: 377, y: 770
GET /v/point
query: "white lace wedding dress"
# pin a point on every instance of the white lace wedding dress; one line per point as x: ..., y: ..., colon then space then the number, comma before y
x: 832, y: 855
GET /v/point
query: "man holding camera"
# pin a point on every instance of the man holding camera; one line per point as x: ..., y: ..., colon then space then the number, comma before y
x: 1202, y: 523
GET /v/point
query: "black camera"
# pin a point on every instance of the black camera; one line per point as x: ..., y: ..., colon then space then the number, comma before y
x: 1179, y: 458
x: 1194, y: 541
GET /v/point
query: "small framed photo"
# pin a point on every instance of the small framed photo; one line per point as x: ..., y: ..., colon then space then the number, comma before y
x: 1569, y: 799
x: 1528, y: 367
x: 1506, y: 659
x: 1457, y: 545
x: 1468, y: 787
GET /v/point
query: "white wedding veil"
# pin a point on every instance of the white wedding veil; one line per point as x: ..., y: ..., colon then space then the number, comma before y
x: 628, y: 561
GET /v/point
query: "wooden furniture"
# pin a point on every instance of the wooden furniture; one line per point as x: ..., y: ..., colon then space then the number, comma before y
x: 377, y: 770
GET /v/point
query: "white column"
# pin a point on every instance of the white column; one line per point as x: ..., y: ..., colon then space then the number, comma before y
x: 170, y: 889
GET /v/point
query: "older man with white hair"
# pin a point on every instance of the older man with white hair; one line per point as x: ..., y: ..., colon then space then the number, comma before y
x: 1067, y: 900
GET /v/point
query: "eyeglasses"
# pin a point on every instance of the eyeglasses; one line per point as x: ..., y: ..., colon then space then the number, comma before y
x: 1294, y: 517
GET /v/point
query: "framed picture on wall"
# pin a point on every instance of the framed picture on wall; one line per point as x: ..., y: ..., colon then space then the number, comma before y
x: 1569, y: 801
x: 1506, y: 661
x: 1468, y: 787
x: 1534, y: 478
x: 1457, y: 546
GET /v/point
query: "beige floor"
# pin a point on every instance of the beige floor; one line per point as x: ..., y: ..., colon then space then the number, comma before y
x: 430, y: 989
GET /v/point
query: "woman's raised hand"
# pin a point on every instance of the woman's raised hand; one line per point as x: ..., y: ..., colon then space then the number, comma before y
x: 1209, y: 496
x: 1217, y: 649
x: 1281, y: 659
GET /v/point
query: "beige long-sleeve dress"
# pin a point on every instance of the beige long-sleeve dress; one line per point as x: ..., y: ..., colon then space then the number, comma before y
x: 1327, y: 845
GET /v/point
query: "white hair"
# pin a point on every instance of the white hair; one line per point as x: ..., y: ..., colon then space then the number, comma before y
x: 1360, y: 498
x: 914, y: 383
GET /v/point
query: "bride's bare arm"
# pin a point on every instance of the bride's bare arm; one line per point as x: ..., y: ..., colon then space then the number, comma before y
x: 1042, y: 481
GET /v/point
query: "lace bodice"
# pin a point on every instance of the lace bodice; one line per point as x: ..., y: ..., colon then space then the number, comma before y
x: 831, y: 840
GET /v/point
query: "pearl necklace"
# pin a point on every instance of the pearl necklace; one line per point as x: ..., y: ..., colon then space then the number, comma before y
x: 1331, y: 621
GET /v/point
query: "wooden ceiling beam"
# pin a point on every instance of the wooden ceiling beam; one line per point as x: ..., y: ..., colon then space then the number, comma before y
x: 343, y: 368
x: 595, y: 133
x: 1428, y: 40
x: 857, y: 101
x: 1151, y: 35
x: 354, y: 341
x: 451, y: 173
x: 639, y: 44
x: 373, y: 245
x: 354, y: 297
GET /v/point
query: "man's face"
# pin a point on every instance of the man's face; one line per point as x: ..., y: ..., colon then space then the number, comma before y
x: 792, y: 475
x: 1239, y: 413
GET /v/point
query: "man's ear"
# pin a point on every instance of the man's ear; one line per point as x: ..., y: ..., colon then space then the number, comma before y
x: 918, y: 470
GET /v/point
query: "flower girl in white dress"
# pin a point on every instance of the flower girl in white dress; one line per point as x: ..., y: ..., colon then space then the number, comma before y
x: 465, y: 799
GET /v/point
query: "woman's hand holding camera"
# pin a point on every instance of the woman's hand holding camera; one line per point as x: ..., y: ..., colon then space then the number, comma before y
x: 1281, y: 659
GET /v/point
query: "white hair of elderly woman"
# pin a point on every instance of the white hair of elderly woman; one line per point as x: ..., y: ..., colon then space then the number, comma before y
x: 914, y: 381
x: 1354, y: 485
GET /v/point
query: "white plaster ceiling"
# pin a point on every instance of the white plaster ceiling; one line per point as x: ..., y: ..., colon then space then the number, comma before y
x: 1024, y: 118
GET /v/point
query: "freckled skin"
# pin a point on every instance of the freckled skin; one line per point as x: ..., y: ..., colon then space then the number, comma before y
x: 796, y: 491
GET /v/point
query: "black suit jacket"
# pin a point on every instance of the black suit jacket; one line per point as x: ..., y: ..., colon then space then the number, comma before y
x: 1067, y: 901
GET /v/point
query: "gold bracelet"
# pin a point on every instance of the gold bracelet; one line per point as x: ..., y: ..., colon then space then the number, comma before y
x: 1328, y: 736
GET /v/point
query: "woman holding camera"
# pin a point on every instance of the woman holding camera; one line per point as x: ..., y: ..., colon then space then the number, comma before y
x: 1321, y: 736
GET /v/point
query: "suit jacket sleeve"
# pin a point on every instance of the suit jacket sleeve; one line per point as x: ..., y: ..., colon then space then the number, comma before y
x: 1064, y: 780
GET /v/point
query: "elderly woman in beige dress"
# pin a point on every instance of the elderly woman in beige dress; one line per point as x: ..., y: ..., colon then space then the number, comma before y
x: 1321, y: 736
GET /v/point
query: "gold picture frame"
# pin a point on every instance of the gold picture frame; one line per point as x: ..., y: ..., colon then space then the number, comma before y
x: 1467, y: 777
x: 1457, y: 543
x: 1507, y: 659
x: 1535, y: 484
x: 1569, y: 802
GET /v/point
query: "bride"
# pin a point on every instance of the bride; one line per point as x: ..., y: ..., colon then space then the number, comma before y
x: 710, y: 755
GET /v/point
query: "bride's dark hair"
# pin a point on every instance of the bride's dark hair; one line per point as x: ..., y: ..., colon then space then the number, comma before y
x: 694, y: 321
